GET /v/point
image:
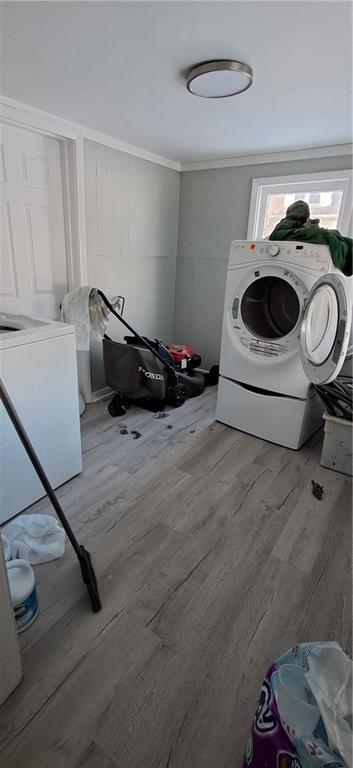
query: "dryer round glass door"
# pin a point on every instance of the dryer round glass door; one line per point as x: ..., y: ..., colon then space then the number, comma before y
x: 270, y: 307
x: 321, y: 324
x: 325, y: 329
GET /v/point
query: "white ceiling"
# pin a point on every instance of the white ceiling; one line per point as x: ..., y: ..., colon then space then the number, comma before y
x: 118, y: 67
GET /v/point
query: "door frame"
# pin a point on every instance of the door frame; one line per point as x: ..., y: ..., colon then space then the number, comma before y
x: 71, y: 137
x: 73, y: 182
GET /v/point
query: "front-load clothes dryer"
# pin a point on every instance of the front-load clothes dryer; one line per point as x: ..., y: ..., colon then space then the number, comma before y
x: 286, y: 326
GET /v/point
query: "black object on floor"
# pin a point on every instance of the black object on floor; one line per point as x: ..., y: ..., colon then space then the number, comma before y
x: 317, y: 490
x: 115, y: 407
x: 136, y: 434
x: 83, y: 556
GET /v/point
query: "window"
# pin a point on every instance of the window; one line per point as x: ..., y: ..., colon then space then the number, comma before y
x: 329, y: 196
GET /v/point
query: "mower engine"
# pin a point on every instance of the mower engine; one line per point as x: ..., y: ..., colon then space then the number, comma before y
x: 185, y: 359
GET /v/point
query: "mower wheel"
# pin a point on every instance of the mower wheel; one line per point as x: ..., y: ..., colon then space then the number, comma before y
x: 212, y: 376
x: 116, y: 407
x: 177, y: 395
x: 193, y: 382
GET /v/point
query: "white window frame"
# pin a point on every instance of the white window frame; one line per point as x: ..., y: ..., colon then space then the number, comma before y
x: 306, y: 182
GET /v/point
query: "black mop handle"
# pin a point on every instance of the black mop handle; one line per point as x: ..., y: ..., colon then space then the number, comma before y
x: 84, y: 557
x: 11, y: 410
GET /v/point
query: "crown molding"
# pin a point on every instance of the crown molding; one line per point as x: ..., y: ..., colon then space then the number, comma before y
x: 16, y: 112
x: 270, y: 157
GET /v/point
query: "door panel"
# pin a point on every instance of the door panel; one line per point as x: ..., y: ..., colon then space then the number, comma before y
x: 39, y: 245
x: 8, y: 284
x: 33, y: 270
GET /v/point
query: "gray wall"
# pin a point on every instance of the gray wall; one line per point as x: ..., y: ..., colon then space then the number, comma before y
x: 132, y: 209
x: 214, y: 209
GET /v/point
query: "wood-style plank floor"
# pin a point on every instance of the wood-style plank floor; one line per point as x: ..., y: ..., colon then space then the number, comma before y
x: 213, y: 557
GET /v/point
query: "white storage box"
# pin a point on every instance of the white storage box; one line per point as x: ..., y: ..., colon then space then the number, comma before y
x: 337, y: 448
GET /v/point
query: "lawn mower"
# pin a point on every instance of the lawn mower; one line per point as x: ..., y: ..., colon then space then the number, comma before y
x: 147, y: 372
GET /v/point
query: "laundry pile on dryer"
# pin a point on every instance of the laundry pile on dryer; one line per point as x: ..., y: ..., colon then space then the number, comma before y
x: 297, y: 225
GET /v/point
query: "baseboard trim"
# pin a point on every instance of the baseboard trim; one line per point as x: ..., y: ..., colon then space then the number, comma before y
x: 100, y: 394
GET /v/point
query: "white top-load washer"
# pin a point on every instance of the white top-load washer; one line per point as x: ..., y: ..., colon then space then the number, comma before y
x: 38, y: 368
x: 286, y: 325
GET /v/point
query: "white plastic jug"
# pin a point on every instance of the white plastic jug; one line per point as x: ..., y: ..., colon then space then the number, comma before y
x: 23, y: 593
x: 10, y: 657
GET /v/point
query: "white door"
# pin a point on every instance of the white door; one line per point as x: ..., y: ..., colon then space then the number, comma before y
x: 33, y: 271
x: 326, y: 328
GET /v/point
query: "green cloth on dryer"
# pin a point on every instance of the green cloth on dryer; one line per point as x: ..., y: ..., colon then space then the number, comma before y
x: 297, y: 225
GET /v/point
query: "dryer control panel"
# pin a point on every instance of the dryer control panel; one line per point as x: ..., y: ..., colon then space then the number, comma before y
x: 263, y: 347
x: 317, y: 258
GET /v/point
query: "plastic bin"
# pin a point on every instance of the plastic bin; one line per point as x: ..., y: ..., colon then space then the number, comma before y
x: 337, y: 448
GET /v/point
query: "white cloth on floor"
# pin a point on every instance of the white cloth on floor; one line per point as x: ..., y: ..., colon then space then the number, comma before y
x: 36, y: 538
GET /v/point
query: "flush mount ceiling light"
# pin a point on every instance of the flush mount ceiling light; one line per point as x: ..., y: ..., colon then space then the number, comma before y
x: 219, y: 79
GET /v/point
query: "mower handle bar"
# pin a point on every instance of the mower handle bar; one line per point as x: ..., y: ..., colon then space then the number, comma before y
x: 137, y: 335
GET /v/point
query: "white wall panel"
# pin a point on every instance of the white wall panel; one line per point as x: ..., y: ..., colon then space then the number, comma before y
x: 132, y: 225
x: 183, y: 309
x: 209, y: 281
x: 3, y: 175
